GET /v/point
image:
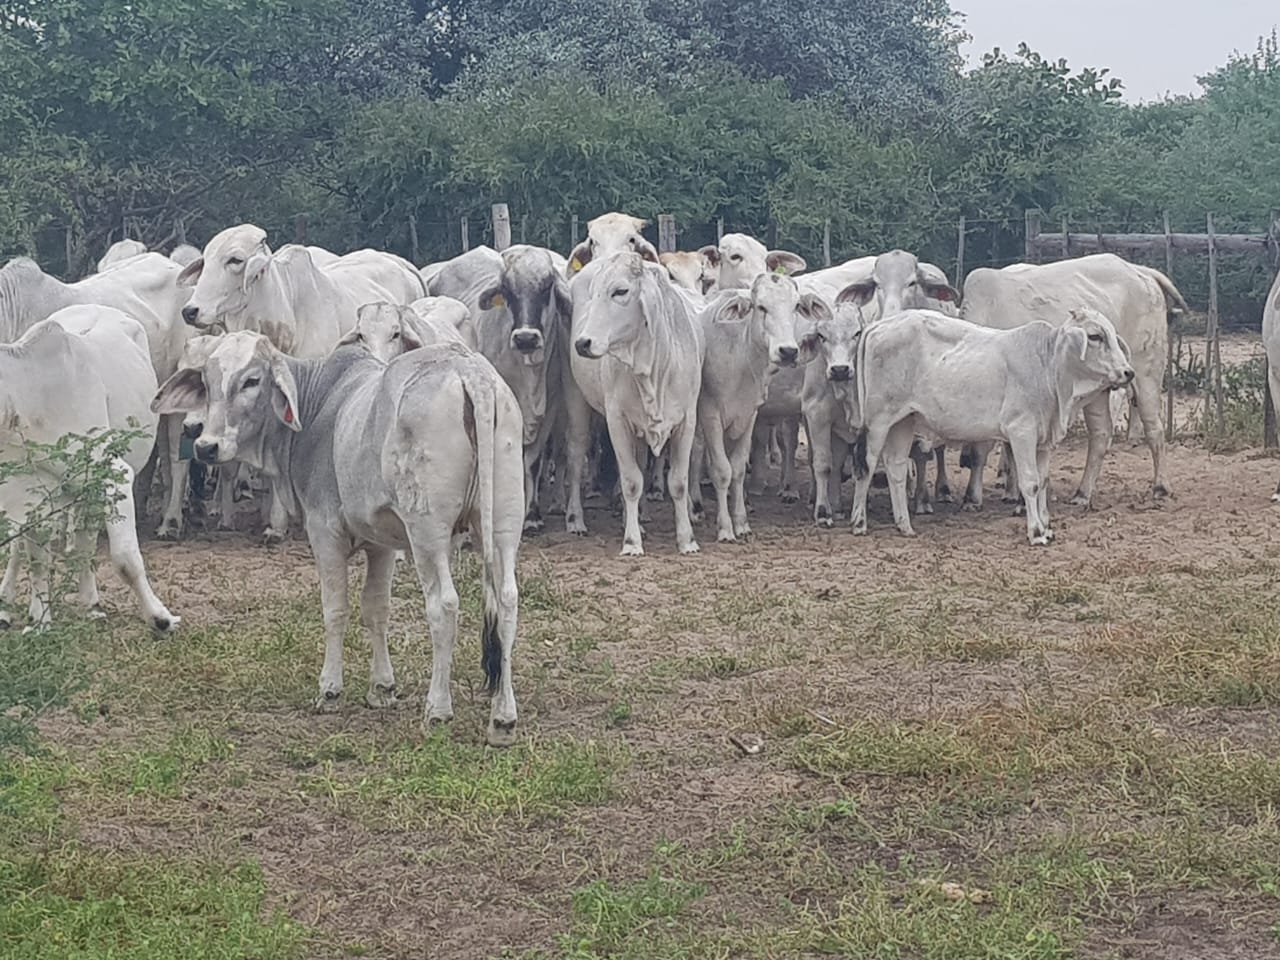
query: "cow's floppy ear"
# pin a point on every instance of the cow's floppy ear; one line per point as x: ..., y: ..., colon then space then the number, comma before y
x: 784, y: 261
x: 1124, y: 348
x: 492, y: 299
x: 255, y: 267
x: 352, y: 336
x: 190, y: 273
x: 734, y: 309
x: 579, y: 257
x: 710, y: 253
x: 937, y: 287
x: 859, y: 292
x: 813, y: 308
x: 410, y: 336
x: 646, y: 250
x: 563, y: 300
x: 284, y: 395
x: 183, y: 392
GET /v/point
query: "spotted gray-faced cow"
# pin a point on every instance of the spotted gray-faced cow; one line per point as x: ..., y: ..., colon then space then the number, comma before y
x: 379, y: 458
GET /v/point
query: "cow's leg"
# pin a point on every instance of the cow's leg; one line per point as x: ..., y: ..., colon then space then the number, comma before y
x: 171, y: 524
x: 657, y: 485
x: 502, y: 705
x: 228, y: 476
x: 1148, y: 394
x: 680, y: 448
x: 277, y: 530
x: 86, y: 543
x: 39, y: 563
x: 739, y: 450
x: 9, y: 585
x: 839, y: 453
x: 532, y: 476
x: 632, y: 478
x: 1273, y: 377
x: 122, y: 541
x: 375, y: 611
x: 331, y: 565
x: 721, y: 474
x: 578, y: 445
x: 820, y: 457
x: 896, y: 456
x: 1042, y: 468
x: 789, y: 441
x: 942, y: 488
x: 922, y: 502
x: 697, y: 467
x: 431, y: 549
x: 866, y: 458
x: 758, y: 463
x: 1008, y: 467
x: 1024, y: 466
x: 974, y: 456
x: 776, y: 452
x: 1097, y: 419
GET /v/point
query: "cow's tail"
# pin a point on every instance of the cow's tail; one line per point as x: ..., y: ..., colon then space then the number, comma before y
x: 484, y: 403
x: 860, y: 466
x: 1172, y: 298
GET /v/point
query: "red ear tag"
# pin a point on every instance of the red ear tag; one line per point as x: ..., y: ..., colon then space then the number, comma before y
x: 288, y: 413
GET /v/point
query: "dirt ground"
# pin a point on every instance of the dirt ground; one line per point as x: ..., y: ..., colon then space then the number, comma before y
x: 968, y: 747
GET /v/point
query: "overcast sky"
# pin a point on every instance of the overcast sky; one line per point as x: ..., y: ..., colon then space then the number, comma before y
x: 1154, y: 46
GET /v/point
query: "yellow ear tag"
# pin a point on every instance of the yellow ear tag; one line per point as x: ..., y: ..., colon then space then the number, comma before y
x: 780, y: 268
x: 498, y: 300
x: 575, y: 264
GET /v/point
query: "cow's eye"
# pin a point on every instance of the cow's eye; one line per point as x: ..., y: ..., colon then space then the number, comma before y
x: 620, y: 291
x: 912, y: 283
x: 234, y: 261
x: 251, y: 382
x: 396, y: 335
x: 1096, y: 338
x: 360, y: 337
x: 735, y: 257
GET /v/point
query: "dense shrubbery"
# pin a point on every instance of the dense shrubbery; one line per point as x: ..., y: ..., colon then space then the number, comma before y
x: 362, y: 114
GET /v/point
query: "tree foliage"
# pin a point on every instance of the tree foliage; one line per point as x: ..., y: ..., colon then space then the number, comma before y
x: 184, y: 116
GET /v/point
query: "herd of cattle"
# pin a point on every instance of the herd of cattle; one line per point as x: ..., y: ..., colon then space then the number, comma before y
x: 391, y: 410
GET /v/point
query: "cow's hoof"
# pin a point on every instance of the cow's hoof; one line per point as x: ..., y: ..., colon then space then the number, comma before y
x: 6, y: 620
x: 1020, y: 510
x: 1160, y: 492
x: 271, y: 536
x: 1275, y: 497
x: 970, y: 507
x: 631, y: 550
x: 697, y: 513
x: 725, y: 536
x: 575, y: 524
x: 742, y: 532
x: 431, y: 719
x: 1080, y: 499
x: 381, y: 696
x: 825, y: 523
x: 907, y: 531
x: 96, y: 612
x: 789, y: 496
x: 924, y: 508
x: 168, y: 530
x: 329, y: 701
x: 690, y: 547
x: 165, y: 623
x: 502, y: 733
x: 944, y: 495
x: 1040, y: 541
x: 655, y: 496
x: 858, y: 529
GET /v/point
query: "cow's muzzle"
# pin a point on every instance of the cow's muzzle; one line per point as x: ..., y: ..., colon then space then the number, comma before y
x: 787, y: 356
x: 584, y: 347
x: 191, y: 316
x: 527, y: 340
x: 840, y: 372
x: 206, y: 451
x: 192, y: 429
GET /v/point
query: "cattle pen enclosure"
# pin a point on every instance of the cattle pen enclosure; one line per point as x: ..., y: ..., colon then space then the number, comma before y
x: 809, y: 745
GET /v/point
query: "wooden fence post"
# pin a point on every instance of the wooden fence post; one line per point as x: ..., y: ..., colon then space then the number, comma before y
x: 1269, y: 438
x: 179, y: 229
x: 1168, y: 366
x: 960, y: 232
x: 300, y: 229
x: 501, y: 227
x: 466, y: 235
x: 573, y: 231
x: 524, y: 229
x: 826, y: 242
x: 1066, y: 238
x: 719, y: 230
x: 1031, y: 236
x: 1213, y: 352
x: 413, y: 238
x: 666, y: 233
